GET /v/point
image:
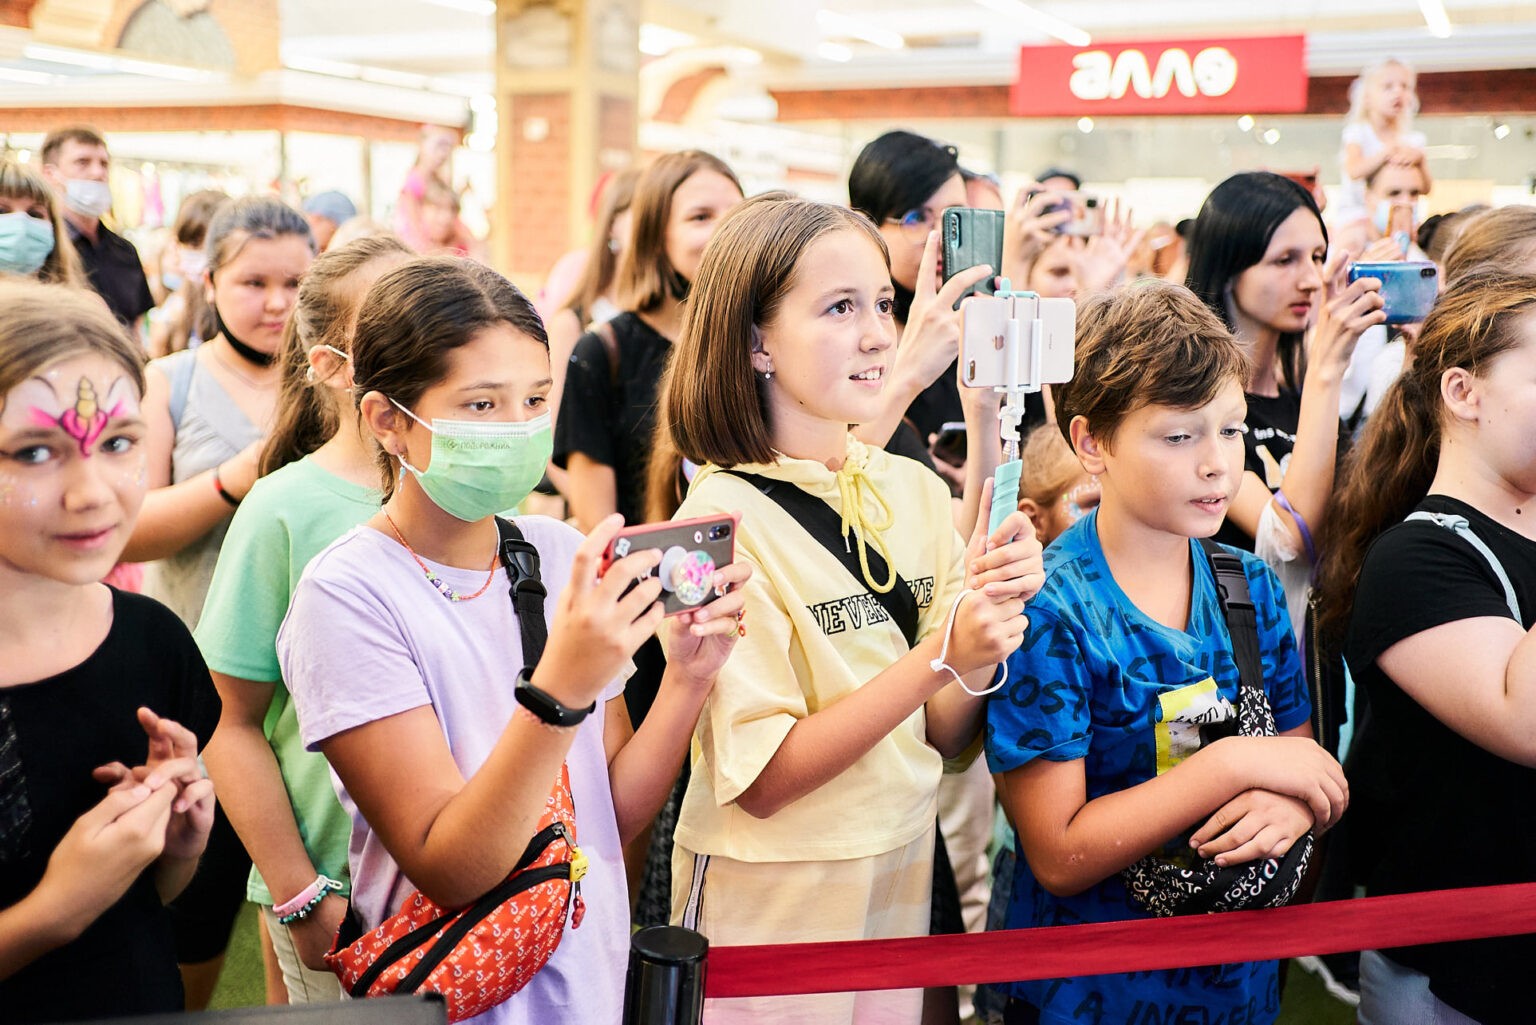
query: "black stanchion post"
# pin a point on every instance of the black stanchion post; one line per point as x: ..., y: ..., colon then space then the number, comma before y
x: 666, y: 977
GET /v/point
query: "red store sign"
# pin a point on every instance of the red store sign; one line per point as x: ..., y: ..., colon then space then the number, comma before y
x: 1261, y: 75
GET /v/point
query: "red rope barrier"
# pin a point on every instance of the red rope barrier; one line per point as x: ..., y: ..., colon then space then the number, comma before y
x: 1141, y: 945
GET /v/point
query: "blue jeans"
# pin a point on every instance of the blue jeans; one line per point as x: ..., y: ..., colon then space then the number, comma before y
x: 1393, y: 995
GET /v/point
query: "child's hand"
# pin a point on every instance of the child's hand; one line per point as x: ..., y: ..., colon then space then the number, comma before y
x: 1009, y: 563
x: 704, y: 637
x: 1348, y: 309
x: 104, y: 852
x: 1290, y: 766
x: 597, y: 627
x: 1255, y: 824
x: 172, y: 758
x: 931, y: 340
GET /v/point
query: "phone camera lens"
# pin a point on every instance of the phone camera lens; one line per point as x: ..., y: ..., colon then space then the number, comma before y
x: 719, y: 533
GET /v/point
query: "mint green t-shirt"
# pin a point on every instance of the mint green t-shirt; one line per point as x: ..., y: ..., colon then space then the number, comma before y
x: 286, y: 520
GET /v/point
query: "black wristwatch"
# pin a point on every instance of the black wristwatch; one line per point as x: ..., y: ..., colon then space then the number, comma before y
x: 545, y: 707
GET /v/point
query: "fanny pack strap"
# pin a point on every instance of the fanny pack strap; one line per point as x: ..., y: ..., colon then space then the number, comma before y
x: 1238, y: 608
x: 521, y: 561
x: 819, y: 520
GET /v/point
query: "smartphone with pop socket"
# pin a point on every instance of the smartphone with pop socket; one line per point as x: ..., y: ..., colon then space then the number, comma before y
x: 983, y: 323
x: 1408, y: 287
x: 691, y: 552
x: 971, y: 237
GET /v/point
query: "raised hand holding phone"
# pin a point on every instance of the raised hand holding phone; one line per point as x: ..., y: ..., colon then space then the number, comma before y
x: 601, y: 620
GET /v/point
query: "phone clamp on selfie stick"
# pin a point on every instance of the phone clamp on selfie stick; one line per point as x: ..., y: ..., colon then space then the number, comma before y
x: 1022, y: 345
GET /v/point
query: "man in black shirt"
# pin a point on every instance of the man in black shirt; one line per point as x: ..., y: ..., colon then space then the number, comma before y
x: 75, y: 162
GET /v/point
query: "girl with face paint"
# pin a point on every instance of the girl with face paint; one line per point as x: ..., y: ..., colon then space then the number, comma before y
x: 103, y: 696
x: 404, y: 655
x: 208, y: 411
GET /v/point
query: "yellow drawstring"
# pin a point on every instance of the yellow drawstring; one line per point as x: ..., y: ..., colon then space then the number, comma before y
x: 852, y: 484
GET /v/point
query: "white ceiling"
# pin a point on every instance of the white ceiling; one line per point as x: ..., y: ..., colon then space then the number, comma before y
x: 453, y: 40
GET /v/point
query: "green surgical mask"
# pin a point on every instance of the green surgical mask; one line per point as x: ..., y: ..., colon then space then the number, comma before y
x: 479, y: 469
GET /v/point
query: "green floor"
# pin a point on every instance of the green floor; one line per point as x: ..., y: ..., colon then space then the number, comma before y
x: 241, y: 986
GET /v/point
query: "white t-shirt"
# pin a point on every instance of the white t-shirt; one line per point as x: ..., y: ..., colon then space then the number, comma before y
x: 1351, y: 203
x: 367, y: 637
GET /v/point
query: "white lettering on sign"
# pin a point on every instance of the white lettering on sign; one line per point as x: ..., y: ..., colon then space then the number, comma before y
x: 1097, y: 76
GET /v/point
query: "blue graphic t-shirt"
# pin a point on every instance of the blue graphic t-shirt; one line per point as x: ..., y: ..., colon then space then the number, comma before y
x: 1098, y: 679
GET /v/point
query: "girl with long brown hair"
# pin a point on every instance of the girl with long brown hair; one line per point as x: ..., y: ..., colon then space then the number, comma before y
x: 1436, y: 615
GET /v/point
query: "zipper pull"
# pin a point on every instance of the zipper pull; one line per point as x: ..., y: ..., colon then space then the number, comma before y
x: 578, y: 907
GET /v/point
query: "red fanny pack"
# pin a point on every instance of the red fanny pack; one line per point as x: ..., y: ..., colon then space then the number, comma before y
x: 479, y: 955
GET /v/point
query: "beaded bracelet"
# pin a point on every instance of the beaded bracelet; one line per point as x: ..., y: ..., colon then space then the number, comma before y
x: 308, y: 899
x: 219, y: 489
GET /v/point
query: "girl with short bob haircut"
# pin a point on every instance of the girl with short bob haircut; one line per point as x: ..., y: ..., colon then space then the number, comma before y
x: 404, y: 656
x: 1257, y: 257
x: 810, y: 811
x: 89, y: 851
x: 319, y: 481
x: 1439, y: 613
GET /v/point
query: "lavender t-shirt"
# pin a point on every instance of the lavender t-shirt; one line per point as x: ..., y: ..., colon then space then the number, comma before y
x: 366, y: 637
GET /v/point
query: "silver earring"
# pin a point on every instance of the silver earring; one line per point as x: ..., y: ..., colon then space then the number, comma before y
x: 767, y: 375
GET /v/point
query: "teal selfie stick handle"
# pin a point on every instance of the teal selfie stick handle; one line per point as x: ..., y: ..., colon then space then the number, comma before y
x: 1005, y: 493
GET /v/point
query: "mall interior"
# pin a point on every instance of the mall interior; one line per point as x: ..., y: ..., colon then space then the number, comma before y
x: 549, y: 98
x: 542, y: 103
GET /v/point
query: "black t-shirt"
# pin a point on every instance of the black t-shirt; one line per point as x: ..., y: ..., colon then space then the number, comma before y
x: 114, y: 270
x: 54, y: 732
x: 1272, y: 422
x: 1431, y: 809
x: 611, y: 418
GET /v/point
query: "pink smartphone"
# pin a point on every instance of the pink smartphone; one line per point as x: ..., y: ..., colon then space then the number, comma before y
x: 691, y: 552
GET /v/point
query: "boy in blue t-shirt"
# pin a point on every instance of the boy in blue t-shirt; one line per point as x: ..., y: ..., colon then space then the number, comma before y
x: 1104, y: 735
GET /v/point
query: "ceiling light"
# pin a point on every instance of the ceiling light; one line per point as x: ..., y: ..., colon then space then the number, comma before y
x: 1245, y: 123
x: 1435, y: 17
x: 1085, y: 125
x: 1037, y: 19
x: 658, y: 40
x: 834, y: 52
x: 841, y: 25
x: 1271, y: 136
x: 484, y: 8
x: 112, y: 64
x: 1501, y: 131
x: 23, y: 77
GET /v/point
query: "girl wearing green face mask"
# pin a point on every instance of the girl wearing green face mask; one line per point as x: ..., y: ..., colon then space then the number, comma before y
x: 404, y: 657
x: 29, y: 211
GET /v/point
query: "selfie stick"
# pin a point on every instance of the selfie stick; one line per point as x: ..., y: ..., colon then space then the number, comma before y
x: 1018, y: 351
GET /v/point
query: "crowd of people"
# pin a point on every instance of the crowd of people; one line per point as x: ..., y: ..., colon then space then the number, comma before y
x: 281, y: 626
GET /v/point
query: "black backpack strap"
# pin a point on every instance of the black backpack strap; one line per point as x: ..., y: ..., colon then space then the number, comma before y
x: 1242, y: 616
x: 826, y: 526
x: 521, y: 561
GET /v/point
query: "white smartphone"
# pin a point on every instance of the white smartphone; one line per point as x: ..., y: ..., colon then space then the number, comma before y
x: 983, y: 356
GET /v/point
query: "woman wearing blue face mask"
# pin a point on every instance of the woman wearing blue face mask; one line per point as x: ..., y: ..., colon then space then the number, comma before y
x: 404, y: 656
x: 32, y: 239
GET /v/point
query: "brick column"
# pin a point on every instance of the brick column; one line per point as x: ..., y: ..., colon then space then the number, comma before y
x: 566, y: 88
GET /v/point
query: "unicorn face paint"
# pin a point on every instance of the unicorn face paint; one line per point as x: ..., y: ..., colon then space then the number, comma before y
x: 72, y: 470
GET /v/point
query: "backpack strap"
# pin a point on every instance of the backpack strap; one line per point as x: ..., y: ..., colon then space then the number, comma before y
x: 1459, y: 526
x: 521, y: 561
x: 179, y: 368
x: 1241, y: 615
x: 604, y: 332
x: 819, y: 520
